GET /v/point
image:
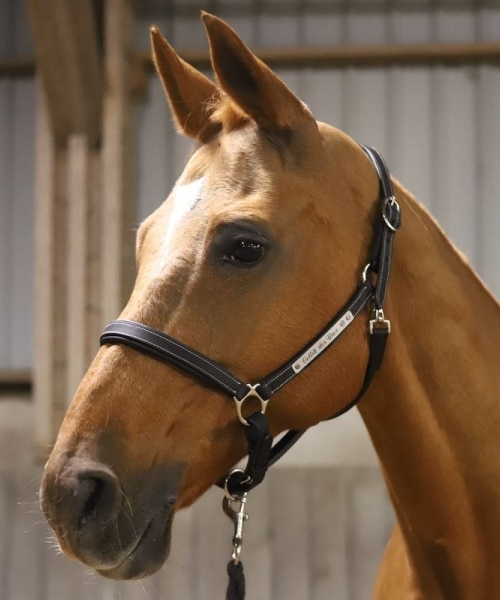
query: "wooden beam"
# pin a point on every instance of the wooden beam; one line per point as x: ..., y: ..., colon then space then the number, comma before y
x: 15, y: 382
x: 50, y: 383
x: 84, y: 201
x: 67, y: 55
x: 366, y: 56
x: 474, y: 53
x: 17, y: 67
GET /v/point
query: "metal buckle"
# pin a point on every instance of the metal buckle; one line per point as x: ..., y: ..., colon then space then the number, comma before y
x: 393, y: 203
x: 379, y: 321
x: 252, y: 393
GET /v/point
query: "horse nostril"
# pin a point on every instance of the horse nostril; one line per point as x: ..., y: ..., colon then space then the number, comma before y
x: 98, y: 498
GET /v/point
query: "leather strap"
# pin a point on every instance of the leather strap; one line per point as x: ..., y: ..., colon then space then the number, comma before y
x: 155, y: 343
x: 303, y: 359
x: 167, y: 349
x: 381, y: 251
x: 259, y: 443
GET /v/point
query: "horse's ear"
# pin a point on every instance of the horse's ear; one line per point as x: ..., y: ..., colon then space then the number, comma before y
x: 251, y: 84
x: 191, y: 95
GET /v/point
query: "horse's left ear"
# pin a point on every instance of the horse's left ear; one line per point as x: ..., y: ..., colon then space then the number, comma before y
x: 250, y: 83
x: 191, y: 95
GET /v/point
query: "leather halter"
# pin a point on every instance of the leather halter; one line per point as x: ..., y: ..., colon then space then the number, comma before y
x: 373, y: 287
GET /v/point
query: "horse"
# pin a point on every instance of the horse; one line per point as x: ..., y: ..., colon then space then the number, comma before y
x: 262, y: 239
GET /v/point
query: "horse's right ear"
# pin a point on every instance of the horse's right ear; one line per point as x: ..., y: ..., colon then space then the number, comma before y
x: 251, y: 84
x: 191, y: 96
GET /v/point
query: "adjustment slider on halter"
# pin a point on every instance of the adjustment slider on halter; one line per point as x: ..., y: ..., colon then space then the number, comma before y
x: 379, y: 321
x: 252, y: 393
x: 389, y: 204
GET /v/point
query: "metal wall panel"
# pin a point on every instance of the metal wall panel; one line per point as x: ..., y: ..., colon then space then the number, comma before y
x: 438, y: 127
x: 16, y: 196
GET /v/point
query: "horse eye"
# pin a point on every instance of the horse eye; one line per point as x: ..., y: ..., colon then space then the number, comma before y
x: 246, y: 252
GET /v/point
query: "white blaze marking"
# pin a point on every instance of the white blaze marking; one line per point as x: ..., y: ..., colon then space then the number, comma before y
x: 184, y: 198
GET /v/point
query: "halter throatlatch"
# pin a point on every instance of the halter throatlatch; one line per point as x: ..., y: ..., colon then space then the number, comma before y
x: 261, y: 452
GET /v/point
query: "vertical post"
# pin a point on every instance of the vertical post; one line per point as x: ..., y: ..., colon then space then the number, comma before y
x: 85, y: 193
x: 118, y: 162
x: 50, y: 283
x: 84, y: 316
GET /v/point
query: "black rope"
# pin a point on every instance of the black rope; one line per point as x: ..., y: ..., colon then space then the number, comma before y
x: 236, y: 583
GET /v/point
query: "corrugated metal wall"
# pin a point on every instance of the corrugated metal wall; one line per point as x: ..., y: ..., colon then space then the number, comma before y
x: 438, y: 127
x: 16, y: 195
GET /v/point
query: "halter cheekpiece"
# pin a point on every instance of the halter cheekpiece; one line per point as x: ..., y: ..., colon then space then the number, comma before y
x: 261, y: 452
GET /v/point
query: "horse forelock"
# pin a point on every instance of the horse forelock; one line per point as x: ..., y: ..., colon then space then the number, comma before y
x: 229, y: 114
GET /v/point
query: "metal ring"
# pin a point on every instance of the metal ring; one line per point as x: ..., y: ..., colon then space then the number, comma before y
x: 227, y: 493
x: 393, y: 203
x: 252, y: 393
x: 364, y: 274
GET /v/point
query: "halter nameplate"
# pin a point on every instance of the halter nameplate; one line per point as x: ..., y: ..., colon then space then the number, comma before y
x: 322, y: 344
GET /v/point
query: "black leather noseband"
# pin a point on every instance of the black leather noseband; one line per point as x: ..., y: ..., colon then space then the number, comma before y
x: 372, y: 288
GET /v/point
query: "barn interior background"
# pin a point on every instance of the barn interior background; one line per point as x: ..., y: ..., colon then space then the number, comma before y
x: 87, y: 150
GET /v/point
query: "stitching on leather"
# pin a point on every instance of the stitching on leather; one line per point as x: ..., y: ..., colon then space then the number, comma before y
x: 292, y: 375
x: 182, y: 347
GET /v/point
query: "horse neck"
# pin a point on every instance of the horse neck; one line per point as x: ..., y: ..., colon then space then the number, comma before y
x: 434, y: 410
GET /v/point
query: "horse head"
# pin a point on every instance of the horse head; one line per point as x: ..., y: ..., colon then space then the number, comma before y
x: 260, y: 242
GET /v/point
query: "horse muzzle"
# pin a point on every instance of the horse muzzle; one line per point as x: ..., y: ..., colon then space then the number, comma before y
x: 119, y: 528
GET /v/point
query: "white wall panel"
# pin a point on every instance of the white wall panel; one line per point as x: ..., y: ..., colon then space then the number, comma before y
x: 454, y: 26
x: 486, y: 195
x: 155, y: 154
x: 370, y: 28
x: 22, y: 225
x: 410, y: 138
x: 321, y: 29
x: 454, y: 152
x: 366, y: 106
x: 6, y: 207
x: 410, y: 27
x: 488, y: 24
x: 16, y: 196
x: 325, y: 94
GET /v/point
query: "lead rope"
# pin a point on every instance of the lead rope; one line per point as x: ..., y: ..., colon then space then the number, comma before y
x: 236, y: 486
x: 236, y: 584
